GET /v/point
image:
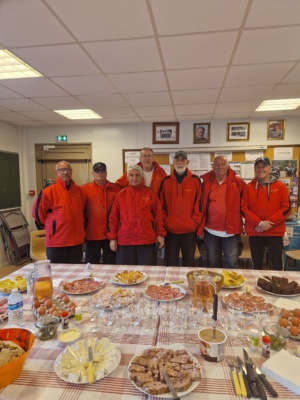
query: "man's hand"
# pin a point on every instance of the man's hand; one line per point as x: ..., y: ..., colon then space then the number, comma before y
x: 160, y: 241
x: 113, y: 245
x: 264, y: 226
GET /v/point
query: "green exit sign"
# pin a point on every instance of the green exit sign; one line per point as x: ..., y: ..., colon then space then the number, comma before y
x: 62, y: 138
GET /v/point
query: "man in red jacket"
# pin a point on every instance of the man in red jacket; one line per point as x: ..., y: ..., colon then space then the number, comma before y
x: 136, y: 229
x: 153, y: 174
x: 180, y: 194
x: 59, y: 208
x: 265, y: 205
x: 221, y: 221
x: 100, y: 195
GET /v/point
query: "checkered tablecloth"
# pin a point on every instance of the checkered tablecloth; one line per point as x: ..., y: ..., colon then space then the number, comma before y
x: 38, y: 379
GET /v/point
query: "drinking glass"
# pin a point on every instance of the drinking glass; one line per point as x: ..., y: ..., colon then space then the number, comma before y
x: 167, y: 313
x: 119, y: 313
x: 97, y: 309
x: 150, y: 315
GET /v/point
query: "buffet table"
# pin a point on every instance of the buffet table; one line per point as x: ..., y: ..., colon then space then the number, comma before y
x: 38, y: 379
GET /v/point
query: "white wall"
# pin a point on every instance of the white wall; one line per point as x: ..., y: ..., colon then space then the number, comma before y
x: 109, y: 140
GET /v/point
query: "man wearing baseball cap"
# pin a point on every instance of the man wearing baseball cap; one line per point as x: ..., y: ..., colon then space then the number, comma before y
x: 100, y: 195
x: 180, y: 194
x: 265, y: 206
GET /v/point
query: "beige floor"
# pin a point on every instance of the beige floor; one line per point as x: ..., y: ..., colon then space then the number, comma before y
x: 8, y: 269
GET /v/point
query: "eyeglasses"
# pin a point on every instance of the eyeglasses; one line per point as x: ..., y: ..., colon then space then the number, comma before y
x: 100, y: 171
x: 64, y: 170
x: 147, y: 156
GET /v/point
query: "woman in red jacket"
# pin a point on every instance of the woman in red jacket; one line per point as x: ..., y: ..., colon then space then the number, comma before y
x: 265, y: 206
x: 136, y: 222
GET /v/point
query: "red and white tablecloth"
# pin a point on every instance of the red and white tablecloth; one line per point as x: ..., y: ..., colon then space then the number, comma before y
x: 39, y: 381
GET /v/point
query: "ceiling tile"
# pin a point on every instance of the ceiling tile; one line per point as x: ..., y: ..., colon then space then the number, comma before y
x: 148, y: 99
x: 139, y: 82
x: 23, y: 22
x: 262, y: 45
x: 44, y: 115
x: 231, y: 116
x: 196, y: 78
x: 166, y: 118
x: 285, y: 91
x: 21, y: 105
x: 273, y: 13
x: 236, y: 107
x: 12, y: 116
x: 126, y: 55
x: 109, y: 113
x: 261, y: 74
x: 124, y: 120
x: 245, y: 93
x: 293, y: 76
x: 197, y: 117
x: 195, y: 96
x: 34, y: 87
x: 104, y: 19
x: 8, y: 94
x: 83, y: 85
x: 61, y: 60
x: 59, y: 103
x: 194, y: 51
x: 177, y: 16
x: 154, y: 111
x: 106, y: 100
x: 194, y: 109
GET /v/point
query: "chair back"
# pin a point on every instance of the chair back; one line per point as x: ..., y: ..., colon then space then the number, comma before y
x: 37, y: 245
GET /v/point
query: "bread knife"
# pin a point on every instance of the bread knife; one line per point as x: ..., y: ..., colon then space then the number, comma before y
x: 171, y: 387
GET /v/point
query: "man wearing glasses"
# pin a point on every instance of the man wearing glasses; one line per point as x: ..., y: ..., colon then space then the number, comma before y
x: 59, y: 208
x: 100, y: 195
x: 153, y: 174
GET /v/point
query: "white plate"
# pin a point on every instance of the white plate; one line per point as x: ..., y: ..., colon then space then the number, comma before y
x: 246, y: 311
x: 183, y: 291
x: 109, y: 371
x: 8, y: 294
x: 60, y: 287
x: 234, y: 287
x: 142, y: 279
x: 278, y: 294
x: 168, y: 395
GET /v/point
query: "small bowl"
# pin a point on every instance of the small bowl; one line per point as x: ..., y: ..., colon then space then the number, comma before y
x: 47, y: 327
x: 279, y: 336
x: 25, y: 339
x: 216, y: 278
x: 68, y: 337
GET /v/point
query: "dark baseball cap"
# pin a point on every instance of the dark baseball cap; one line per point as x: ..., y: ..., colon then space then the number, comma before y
x: 180, y: 153
x: 99, y: 166
x: 265, y: 160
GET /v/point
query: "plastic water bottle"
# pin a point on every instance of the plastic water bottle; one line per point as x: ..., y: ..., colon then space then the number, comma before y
x: 15, y: 308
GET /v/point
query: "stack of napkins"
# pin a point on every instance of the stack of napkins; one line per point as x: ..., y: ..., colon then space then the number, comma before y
x: 284, y: 368
x: 288, y: 304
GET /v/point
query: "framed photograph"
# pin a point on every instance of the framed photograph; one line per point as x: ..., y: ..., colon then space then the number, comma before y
x: 276, y: 129
x: 201, y: 133
x: 238, y: 131
x: 165, y: 132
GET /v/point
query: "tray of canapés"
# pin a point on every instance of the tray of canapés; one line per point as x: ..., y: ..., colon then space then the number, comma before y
x: 128, y: 277
x: 53, y: 306
x: 290, y: 319
x: 250, y: 303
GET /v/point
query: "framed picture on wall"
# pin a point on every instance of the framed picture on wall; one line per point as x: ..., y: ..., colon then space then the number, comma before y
x: 201, y: 133
x: 238, y: 131
x: 165, y: 132
x: 276, y: 129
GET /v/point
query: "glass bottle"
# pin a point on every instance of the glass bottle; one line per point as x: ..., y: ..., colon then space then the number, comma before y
x: 43, y: 288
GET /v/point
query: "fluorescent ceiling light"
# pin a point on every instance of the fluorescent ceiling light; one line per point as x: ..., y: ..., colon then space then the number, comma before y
x: 78, y: 114
x: 281, y: 104
x: 11, y: 67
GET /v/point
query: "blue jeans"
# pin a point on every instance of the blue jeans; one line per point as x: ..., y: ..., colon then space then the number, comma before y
x: 229, y: 246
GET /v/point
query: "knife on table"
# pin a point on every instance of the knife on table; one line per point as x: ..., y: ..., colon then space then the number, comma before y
x: 259, y: 385
x: 246, y: 383
x: 171, y: 387
x: 90, y: 371
x: 264, y: 380
x: 250, y: 375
